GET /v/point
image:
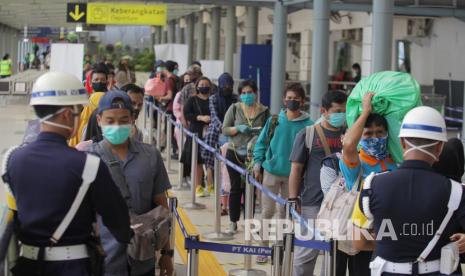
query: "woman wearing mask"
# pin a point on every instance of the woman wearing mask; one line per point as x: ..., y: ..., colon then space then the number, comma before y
x: 243, y: 121
x: 370, y: 131
x: 197, y: 114
x: 219, y: 104
x: 177, y: 108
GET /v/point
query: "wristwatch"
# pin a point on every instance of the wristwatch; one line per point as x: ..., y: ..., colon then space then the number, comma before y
x: 167, y: 252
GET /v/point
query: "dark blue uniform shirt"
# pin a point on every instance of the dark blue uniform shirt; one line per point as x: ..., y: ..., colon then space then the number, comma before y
x: 44, y: 177
x: 415, y: 199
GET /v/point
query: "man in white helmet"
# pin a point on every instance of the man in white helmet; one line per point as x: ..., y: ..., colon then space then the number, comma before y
x: 413, y: 212
x: 55, y: 191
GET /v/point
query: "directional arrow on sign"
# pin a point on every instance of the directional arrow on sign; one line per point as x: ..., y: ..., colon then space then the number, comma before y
x: 76, y: 15
x: 76, y: 12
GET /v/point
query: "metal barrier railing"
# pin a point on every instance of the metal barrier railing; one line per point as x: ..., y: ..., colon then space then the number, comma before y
x: 282, y: 254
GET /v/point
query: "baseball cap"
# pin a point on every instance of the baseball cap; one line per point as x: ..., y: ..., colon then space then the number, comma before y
x: 115, y: 99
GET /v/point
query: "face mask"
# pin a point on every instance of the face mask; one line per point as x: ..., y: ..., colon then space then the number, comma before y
x: 160, y: 69
x: 116, y: 134
x: 203, y: 90
x: 337, y: 120
x: 73, y: 129
x: 354, y: 74
x: 248, y: 99
x: 421, y: 148
x: 175, y: 71
x: 99, y: 87
x: 226, y: 91
x: 293, y: 105
x: 376, y: 147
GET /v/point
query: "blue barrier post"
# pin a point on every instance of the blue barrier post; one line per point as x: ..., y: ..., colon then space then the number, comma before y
x: 181, y: 165
x: 193, y: 259
x: 276, y: 260
x: 195, y: 148
x: 173, y: 204
x: 217, y: 235
x: 289, y: 241
x: 169, y: 138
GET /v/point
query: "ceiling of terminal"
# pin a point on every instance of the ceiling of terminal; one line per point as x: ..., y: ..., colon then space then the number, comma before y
x: 51, y: 13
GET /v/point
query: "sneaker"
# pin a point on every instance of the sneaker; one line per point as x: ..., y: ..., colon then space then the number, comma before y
x: 211, y: 190
x: 261, y: 260
x: 232, y: 228
x: 199, y: 191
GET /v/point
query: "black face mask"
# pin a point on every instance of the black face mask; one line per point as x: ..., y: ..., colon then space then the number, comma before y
x: 99, y: 86
x: 293, y: 105
x: 203, y: 90
x: 226, y: 91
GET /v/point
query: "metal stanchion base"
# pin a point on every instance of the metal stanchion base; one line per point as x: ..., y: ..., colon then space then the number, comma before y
x: 246, y: 272
x: 218, y: 236
x: 194, y: 206
x: 182, y: 188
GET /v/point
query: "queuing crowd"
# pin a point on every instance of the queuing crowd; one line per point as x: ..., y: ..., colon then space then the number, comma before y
x: 291, y: 155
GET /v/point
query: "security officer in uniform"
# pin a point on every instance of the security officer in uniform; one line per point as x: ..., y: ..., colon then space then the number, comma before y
x: 412, y: 212
x: 44, y: 179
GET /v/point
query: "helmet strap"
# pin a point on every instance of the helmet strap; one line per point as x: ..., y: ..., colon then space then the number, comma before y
x: 45, y: 120
x: 420, y: 148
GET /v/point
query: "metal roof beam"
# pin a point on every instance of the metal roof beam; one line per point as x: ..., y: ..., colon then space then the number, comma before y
x: 398, y: 10
x: 258, y: 3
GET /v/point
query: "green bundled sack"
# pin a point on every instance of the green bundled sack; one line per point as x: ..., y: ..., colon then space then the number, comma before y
x: 396, y: 94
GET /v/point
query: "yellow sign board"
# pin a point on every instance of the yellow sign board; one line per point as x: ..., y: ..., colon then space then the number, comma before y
x: 126, y: 14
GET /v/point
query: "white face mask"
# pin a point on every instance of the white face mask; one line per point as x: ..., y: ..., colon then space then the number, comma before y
x: 73, y: 129
x: 421, y: 148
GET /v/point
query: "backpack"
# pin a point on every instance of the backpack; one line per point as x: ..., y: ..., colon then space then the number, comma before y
x: 337, y: 207
x: 273, y: 124
x: 155, y: 86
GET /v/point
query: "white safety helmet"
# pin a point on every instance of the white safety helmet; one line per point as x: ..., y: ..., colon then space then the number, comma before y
x: 60, y: 89
x: 424, y: 122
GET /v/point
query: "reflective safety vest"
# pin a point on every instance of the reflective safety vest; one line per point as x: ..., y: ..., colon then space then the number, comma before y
x: 5, y: 67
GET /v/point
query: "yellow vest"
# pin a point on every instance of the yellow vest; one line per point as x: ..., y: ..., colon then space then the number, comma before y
x: 94, y: 100
x: 5, y: 67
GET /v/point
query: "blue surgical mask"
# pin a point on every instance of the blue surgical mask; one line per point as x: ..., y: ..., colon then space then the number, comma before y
x: 116, y: 134
x: 337, y: 120
x: 248, y: 98
x: 376, y: 147
x: 175, y: 71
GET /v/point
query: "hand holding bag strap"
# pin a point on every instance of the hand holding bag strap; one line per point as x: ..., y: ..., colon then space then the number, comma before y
x: 454, y: 201
x: 323, y: 140
x: 88, y: 176
x: 116, y: 171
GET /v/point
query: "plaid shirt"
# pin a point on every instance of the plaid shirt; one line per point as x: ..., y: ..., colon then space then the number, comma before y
x: 213, y: 132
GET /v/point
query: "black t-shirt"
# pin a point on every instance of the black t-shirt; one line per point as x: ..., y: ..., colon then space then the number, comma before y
x: 413, y: 199
x: 194, y: 107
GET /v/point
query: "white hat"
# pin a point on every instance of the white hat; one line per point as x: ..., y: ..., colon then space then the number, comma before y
x: 424, y: 122
x: 58, y: 88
